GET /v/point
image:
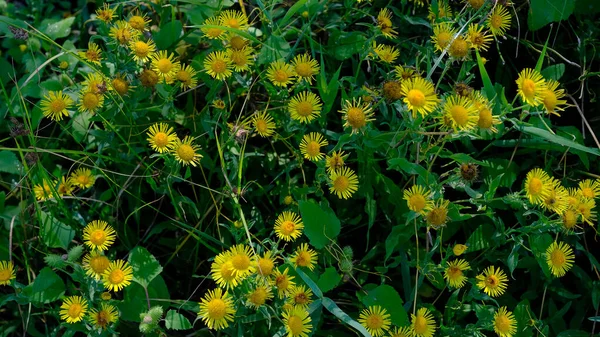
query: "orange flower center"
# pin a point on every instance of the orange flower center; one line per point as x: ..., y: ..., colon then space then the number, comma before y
x: 288, y: 227
x: 75, y: 310
x: 216, y: 309
x: 116, y: 276
x: 295, y: 325
x: 460, y: 115
x: 164, y: 65
x: 416, y: 98
x: 186, y: 152
x: 356, y: 117
x: 341, y: 183
x: 304, y: 69
x: 485, y: 118
x: 98, y: 237
x: 57, y: 105
x: 280, y: 76
x: 219, y: 66
x: 528, y: 88
x: 304, y: 109
x: 313, y: 148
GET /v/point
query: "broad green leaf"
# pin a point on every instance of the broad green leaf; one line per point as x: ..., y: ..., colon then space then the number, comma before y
x: 339, y: 313
x: 176, y: 321
x: 490, y: 93
x: 54, y: 233
x: 58, y: 29
x: 320, y: 225
x: 329, y: 279
x: 145, y: 266
x: 399, y: 235
x: 402, y: 164
x: 480, y: 238
x: 290, y: 12
x: 543, y: 12
x: 81, y: 123
x: 567, y: 143
x: 388, y: 298
x: 46, y: 288
x: 539, y: 244
x: 9, y: 163
x: 343, y: 45
x: 554, y: 72
x: 523, y: 314
x: 168, y: 34
x: 274, y: 48
x: 134, y: 299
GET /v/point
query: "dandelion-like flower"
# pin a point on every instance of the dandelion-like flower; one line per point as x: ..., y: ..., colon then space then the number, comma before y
x: 454, y: 273
x: 442, y: 35
x: 95, y: 264
x: 55, y: 105
x: 423, y: 324
x: 259, y: 296
x: 241, y: 59
x: 82, y: 178
x: 138, y: 21
x: 335, y: 161
x: 7, y: 272
x: 213, y: 32
x: 98, y: 234
x: 122, y: 33
x: 222, y: 272
x: 537, y: 185
x: 559, y: 257
x: 218, y: 65
x: 418, y: 199
x: 438, y: 214
x: 142, y: 51
x: 499, y: 21
x: 300, y: 296
x: 90, y: 102
x: 419, y: 96
x: 461, y: 113
x: 375, y: 319
x: 93, y: 54
x: 73, y: 309
x: 217, y: 309
x: 531, y: 86
x: 459, y: 48
x: 387, y: 54
x: 493, y: 281
x: 304, y: 257
x: 305, y: 107
x: 356, y: 114
x: 384, y: 22
x: 283, y: 282
x: 297, y: 322
x: 233, y: 19
x: 120, y: 85
x: 557, y: 198
x: 343, y: 182
x: 186, y: 152
x: 265, y: 264
x: 505, y: 324
x: 105, y: 13
x: 242, y: 260
x: 165, y: 65
x: 305, y: 67
x: 186, y: 77
x: 263, y: 124
x: 478, y: 39
x: 281, y: 74
x: 104, y: 317
x: 118, y: 275
x: 288, y: 226
x: 311, y: 144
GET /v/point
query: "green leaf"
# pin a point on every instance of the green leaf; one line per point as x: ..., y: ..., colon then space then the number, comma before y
x: 329, y: 279
x: 329, y: 90
x: 134, y: 299
x: 81, y: 123
x: 54, y: 233
x: 320, y: 225
x: 290, y: 12
x: 310, y: 283
x: 539, y: 244
x: 554, y: 72
x: 543, y: 12
x: 145, y: 266
x: 480, y: 238
x: 337, y: 312
x: 58, y: 29
x: 176, y: 321
x: 522, y: 315
x: 399, y: 235
x: 388, y: 298
x: 343, y: 45
x: 490, y: 93
x: 9, y: 163
x: 46, y: 288
x: 168, y: 34
x: 402, y: 164
x: 274, y: 48
x: 558, y: 140
x: 573, y: 333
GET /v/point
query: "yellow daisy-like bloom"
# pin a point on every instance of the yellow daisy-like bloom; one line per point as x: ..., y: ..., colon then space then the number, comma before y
x: 459, y: 48
x: 138, y: 21
x: 73, y: 309
x: 94, y: 82
x: 123, y: 34
x: 241, y: 59
x: 93, y: 54
x: 384, y: 22
x: 505, y: 324
x: 304, y: 257
x: 105, y: 13
x: 551, y: 98
x: 557, y: 198
x: 242, y: 260
x: 99, y: 235
x: 559, y: 257
x: 90, y: 102
x: 401, y: 332
x: 55, y: 105
x: 7, y: 272
x: 161, y: 137
x: 213, y: 32
x: 531, y: 86
x: 237, y: 42
x: 570, y: 219
x: 118, y: 275
x: 419, y: 96
x: 43, y: 191
x: 438, y: 215
x: 259, y: 296
x: 165, y: 65
x: 142, y: 51
x: 148, y: 78
x: 300, y: 296
x: 120, y: 85
x: 586, y: 210
x: 405, y: 73
x: 387, y: 54
x: 454, y: 273
x: 305, y: 67
x: 343, y: 182
x: 95, y: 264
x: 288, y: 226
x: 64, y: 187
x: 589, y: 189
x: 443, y: 11
x: 442, y: 35
x: 263, y: 124
x: 423, y: 324
x: 476, y: 4
x: 218, y: 65
x: 297, y: 322
x: 418, y: 199
x: 478, y: 39
x: 305, y: 106
x: 186, y: 152
x: 280, y: 73
x: 311, y: 144
x: 537, y: 186
x: 222, y: 272
x: 459, y: 249
x: 487, y: 121
x: 186, y: 77
x: 356, y: 114
x: 335, y: 161
x: 461, y: 113
x: 107, y: 315
x: 375, y: 319
x: 234, y: 19
x: 217, y: 309
x: 265, y: 264
x: 493, y: 281
x: 82, y: 178
x: 283, y: 282
x: 499, y: 21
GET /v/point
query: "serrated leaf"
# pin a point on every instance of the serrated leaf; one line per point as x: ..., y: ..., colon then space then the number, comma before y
x: 145, y: 266
x: 176, y: 321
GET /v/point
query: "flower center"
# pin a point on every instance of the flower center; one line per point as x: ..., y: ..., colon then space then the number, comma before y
x: 437, y: 217
x: 233, y: 23
x: 164, y: 65
x: 280, y: 76
x: 313, y: 148
x: 261, y: 126
x: 141, y: 49
x: 258, y: 297
x: 216, y: 309
x: 58, y: 105
x: 98, y: 237
x: 496, y: 21
x: 459, y: 48
x: 186, y: 152
x: 528, y: 88
x: 304, y: 109
x: 460, y: 115
x: 120, y: 86
x: 443, y: 39
x: 265, y: 267
x: 374, y: 322
x: 239, y: 58
x: 83, y: 180
x: 116, y: 276
x: 5, y: 275
x: 417, y: 202
x: 92, y: 55
x: 102, y: 318
x: 240, y: 262
x: 184, y: 76
x: 301, y: 298
x: 227, y: 271
x: 356, y: 117
x: 303, y: 259
x: 420, y: 325
x: 237, y: 42
x: 288, y: 227
x: 341, y: 183
x: 558, y: 258
x: 502, y: 324
x: 295, y: 325
x: 492, y: 281
x: 416, y: 98
x: 587, y: 192
x: 454, y: 272
x: 90, y: 101
x: 99, y: 264
x: 161, y: 139
x: 75, y: 310
x: 535, y: 186
x: 137, y: 22
x: 569, y: 219
x: 214, y: 32
x: 485, y: 118
x: 282, y: 282
x: 123, y: 35
x: 219, y: 66
x: 303, y: 69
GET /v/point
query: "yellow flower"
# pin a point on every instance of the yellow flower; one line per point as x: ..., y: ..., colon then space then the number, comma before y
x: 95, y: 264
x: 120, y: 85
x: 73, y: 309
x: 138, y: 21
x: 487, y: 120
x: 242, y: 260
x: 305, y: 106
x: 218, y: 104
x: 217, y: 309
x: 335, y: 161
x: 405, y: 73
x: 186, y: 152
x: 218, y: 65
x: 343, y: 182
x: 64, y: 187
x: 423, y: 324
x: 531, y: 86
x: 557, y: 198
x: 305, y: 67
x: 259, y: 296
x: 304, y: 257
x: 551, y: 98
x: 586, y: 210
x: 7, y: 272
x: 165, y: 65
x: 283, y: 282
x: 478, y: 39
x: 300, y: 296
x: 106, y: 296
x: 93, y: 54
x: 419, y: 96
x: 82, y: 178
x: 443, y: 11
x: 236, y: 42
x: 537, y: 185
x: 89, y: 101
x: 356, y: 114
x: 94, y: 82
x: 265, y: 264
x: 375, y: 319
x: 297, y: 322
x: 392, y: 90
x: 476, y: 4
x: 461, y: 113
x: 117, y: 276
x: 493, y: 281
x: 384, y: 22
x: 387, y: 54
x: 148, y: 78
x: 223, y: 273
x: 454, y: 273
x: 122, y: 33
x: 401, y: 332
x: 234, y: 19
x: 280, y: 73
x: 442, y: 35
x: 107, y: 315
x: 43, y: 191
x: 213, y: 32
x: 459, y: 249
x: 559, y: 257
x: 142, y: 51
x: 161, y: 137
x: 505, y: 324
x: 55, y: 105
x: 263, y: 124
x: 311, y: 144
x: 569, y: 219
x: 99, y: 235
x: 288, y: 226
x: 589, y: 189
x: 459, y: 48
x: 438, y: 215
x: 186, y: 76
x: 105, y: 13
x: 499, y: 21
x: 418, y: 199
x: 241, y: 59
